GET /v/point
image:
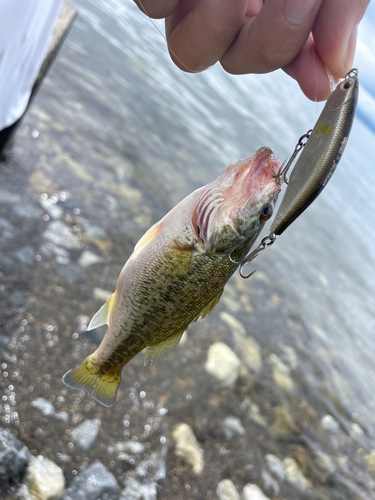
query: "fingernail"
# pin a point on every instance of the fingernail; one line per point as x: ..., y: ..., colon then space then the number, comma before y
x: 298, y: 11
x: 352, y: 42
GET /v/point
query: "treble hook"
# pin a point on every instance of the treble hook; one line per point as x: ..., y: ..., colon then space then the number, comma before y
x: 266, y: 242
x: 281, y: 176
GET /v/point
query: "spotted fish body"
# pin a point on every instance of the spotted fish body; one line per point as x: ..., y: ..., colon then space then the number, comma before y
x: 178, y: 271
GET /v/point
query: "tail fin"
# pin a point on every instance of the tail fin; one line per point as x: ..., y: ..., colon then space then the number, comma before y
x: 87, y: 377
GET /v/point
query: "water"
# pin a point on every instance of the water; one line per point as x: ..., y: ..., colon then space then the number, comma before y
x: 116, y: 136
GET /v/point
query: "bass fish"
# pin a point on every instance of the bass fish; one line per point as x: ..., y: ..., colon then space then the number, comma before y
x: 178, y: 270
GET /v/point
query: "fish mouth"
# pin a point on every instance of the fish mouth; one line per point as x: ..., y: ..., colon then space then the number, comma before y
x: 261, y: 177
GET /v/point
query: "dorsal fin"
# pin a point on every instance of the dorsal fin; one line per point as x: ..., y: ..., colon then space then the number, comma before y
x: 157, y: 350
x: 101, y: 317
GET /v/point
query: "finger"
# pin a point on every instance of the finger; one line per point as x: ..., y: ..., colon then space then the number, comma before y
x: 199, y: 33
x: 335, y: 33
x: 310, y: 72
x: 273, y: 38
x: 157, y: 9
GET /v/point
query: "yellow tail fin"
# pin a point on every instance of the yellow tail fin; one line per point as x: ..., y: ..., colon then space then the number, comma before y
x: 87, y: 377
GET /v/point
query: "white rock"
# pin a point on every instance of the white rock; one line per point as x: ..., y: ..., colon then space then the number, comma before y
x: 275, y: 466
x: 330, y: 424
x: 294, y: 474
x: 188, y: 448
x: 85, y: 434
x: 227, y: 491
x: 55, y: 211
x: 223, y: 364
x: 281, y: 374
x: 45, y: 479
x: 134, y: 490
x: 46, y: 407
x: 60, y: 234
x: 88, y: 258
x: 253, y: 492
x: 233, y: 427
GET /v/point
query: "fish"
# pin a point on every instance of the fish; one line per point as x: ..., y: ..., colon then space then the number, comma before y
x: 321, y: 153
x: 178, y: 271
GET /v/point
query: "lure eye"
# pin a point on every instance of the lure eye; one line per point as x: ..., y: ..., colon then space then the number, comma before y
x: 266, y: 212
x: 346, y: 85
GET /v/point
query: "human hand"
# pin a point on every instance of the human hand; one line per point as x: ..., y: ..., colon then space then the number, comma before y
x: 303, y: 37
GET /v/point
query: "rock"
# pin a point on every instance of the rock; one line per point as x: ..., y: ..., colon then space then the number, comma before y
x: 370, y: 462
x: 188, y: 448
x: 14, y: 457
x: 85, y: 434
x: 253, y: 492
x: 44, y: 406
x: 284, y: 423
x: 330, y: 424
x: 223, y: 364
x: 325, y: 465
x: 233, y: 428
x: 132, y: 447
x: 61, y: 255
x: 17, y: 298
x: 294, y: 475
x: 93, y: 483
x: 281, y: 374
x: 25, y: 255
x: 102, y: 295
x: 276, y: 466
x: 88, y: 258
x: 45, y: 480
x: 356, y: 431
x: 54, y: 210
x: 137, y: 491
x: 253, y: 412
x: 61, y: 235
x: 270, y: 483
x: 153, y: 468
x: 227, y: 491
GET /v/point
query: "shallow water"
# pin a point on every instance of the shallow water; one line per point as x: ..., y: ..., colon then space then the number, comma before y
x: 116, y: 136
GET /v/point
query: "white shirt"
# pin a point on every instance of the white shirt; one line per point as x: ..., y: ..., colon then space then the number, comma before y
x: 25, y: 30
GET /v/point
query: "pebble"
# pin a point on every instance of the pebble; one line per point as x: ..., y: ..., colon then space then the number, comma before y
x: 85, y: 434
x: 233, y: 428
x: 51, y: 250
x: 93, y: 483
x: 253, y: 492
x: 325, y: 464
x: 53, y: 210
x: 281, y: 374
x: 14, y: 457
x: 227, y: 491
x: 47, y: 408
x: 188, y: 448
x: 61, y: 235
x: 137, y: 491
x: 253, y: 412
x: 284, y: 423
x: 276, y: 466
x: 270, y: 483
x: 88, y: 258
x: 153, y: 468
x: 330, y: 424
x: 26, y: 255
x: 45, y: 480
x: 132, y: 447
x: 223, y: 364
x: 370, y: 462
x: 294, y: 475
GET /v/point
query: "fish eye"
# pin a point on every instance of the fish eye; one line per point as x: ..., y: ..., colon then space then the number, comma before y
x: 346, y: 85
x: 266, y: 213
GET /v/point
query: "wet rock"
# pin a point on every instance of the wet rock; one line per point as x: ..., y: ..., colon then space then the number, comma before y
x: 45, y: 480
x: 233, y: 428
x: 14, y: 457
x: 223, y: 364
x: 294, y: 475
x: 93, y: 483
x: 61, y: 255
x: 154, y: 468
x: 94, y: 231
x: 325, y: 465
x: 61, y: 235
x: 53, y: 210
x: 188, y: 448
x: 253, y: 412
x: 356, y: 431
x: 134, y: 490
x: 86, y: 433
x: 227, y: 491
x: 26, y: 211
x: 17, y: 298
x: 25, y: 255
x: 284, y: 423
x: 281, y: 374
x: 370, y: 462
x: 270, y: 483
x: 88, y: 258
x: 253, y: 492
x: 102, y: 295
x: 46, y: 407
x: 132, y: 447
x: 276, y: 466
x: 330, y: 424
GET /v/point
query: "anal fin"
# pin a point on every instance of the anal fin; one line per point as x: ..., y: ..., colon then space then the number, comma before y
x: 101, y: 317
x: 157, y: 350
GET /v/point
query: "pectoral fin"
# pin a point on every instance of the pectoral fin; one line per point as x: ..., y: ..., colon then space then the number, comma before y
x: 157, y: 350
x: 209, y: 306
x: 102, y: 316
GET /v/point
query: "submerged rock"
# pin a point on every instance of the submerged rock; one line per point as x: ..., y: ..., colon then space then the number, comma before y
x: 60, y: 234
x: 223, y: 364
x: 88, y: 258
x: 46, y: 407
x: 45, y: 480
x: 227, y: 491
x: 270, y: 483
x: 85, y: 434
x: 276, y: 466
x: 294, y: 474
x: 281, y: 374
x: 233, y: 428
x: 330, y: 424
x: 154, y: 468
x: 188, y: 448
x: 370, y: 462
x: 14, y: 457
x: 253, y: 492
x: 134, y: 490
x: 93, y: 483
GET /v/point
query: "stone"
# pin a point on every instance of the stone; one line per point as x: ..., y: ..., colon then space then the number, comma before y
x: 370, y: 462
x: 325, y: 465
x: 153, y: 468
x: 253, y: 412
x: 26, y: 255
x: 188, y: 448
x: 85, y: 434
x: 233, y: 428
x: 61, y: 255
x: 284, y: 423
x: 294, y: 475
x: 14, y: 457
x: 93, y: 483
x: 132, y: 447
x: 270, y: 483
x: 134, y: 490
x: 53, y: 210
x: 276, y: 466
x: 227, y: 491
x: 46, y: 407
x: 88, y: 258
x: 61, y: 235
x: 330, y: 424
x: 281, y: 374
x: 45, y: 480
x: 223, y: 364
x: 253, y: 492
